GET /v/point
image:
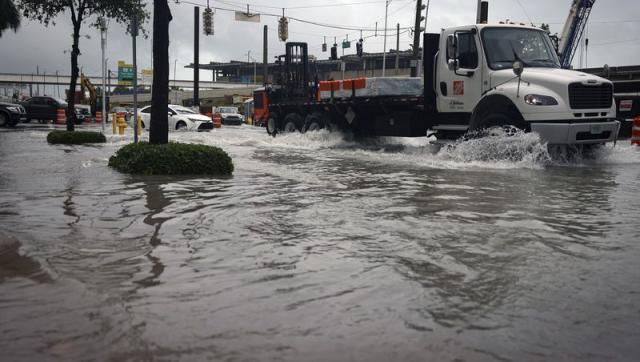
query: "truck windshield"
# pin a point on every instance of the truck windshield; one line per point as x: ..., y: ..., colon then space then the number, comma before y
x: 506, y: 45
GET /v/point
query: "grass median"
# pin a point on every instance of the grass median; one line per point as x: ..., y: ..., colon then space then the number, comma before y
x: 75, y: 137
x: 172, y: 159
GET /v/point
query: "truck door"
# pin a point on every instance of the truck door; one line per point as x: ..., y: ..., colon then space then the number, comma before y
x: 459, y: 89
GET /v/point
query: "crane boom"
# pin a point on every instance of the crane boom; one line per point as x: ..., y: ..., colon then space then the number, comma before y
x: 573, y: 29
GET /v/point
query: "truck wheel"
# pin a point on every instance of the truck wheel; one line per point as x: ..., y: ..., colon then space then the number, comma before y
x: 3, y: 119
x: 313, y: 122
x: 292, y: 123
x: 272, y: 123
x: 509, y: 123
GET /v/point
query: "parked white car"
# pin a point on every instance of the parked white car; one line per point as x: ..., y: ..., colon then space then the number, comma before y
x: 180, y: 118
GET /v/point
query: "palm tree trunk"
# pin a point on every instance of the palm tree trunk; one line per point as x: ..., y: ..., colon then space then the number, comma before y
x: 71, y: 97
x: 159, y: 132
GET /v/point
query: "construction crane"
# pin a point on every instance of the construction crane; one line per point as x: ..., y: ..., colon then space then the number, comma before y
x: 86, y: 85
x: 573, y: 29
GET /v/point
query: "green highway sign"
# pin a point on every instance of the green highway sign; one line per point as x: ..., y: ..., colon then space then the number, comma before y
x: 125, y: 73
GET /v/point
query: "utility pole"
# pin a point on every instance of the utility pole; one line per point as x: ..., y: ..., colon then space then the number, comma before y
x: 416, y: 39
x: 196, y: 57
x: 397, y: 48
x: 426, y: 16
x: 384, y: 53
x: 265, y: 60
x: 134, y: 34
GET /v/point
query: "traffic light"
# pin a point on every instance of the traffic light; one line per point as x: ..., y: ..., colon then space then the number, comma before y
x: 283, y: 28
x: 334, y: 52
x: 207, y: 21
x: 359, y: 48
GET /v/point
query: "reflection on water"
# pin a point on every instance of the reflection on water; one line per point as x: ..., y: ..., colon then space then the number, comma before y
x: 14, y: 265
x: 321, y: 248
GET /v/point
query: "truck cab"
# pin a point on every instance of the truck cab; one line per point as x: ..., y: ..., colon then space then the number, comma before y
x: 488, y: 76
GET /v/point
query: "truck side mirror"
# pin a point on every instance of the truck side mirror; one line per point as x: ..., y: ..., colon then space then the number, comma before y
x: 452, y: 52
x: 452, y: 64
x: 518, y: 68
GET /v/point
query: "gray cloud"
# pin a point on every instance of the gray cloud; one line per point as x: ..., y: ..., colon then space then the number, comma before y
x: 35, y: 45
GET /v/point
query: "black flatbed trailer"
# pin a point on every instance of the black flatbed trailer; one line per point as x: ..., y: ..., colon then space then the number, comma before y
x: 294, y: 103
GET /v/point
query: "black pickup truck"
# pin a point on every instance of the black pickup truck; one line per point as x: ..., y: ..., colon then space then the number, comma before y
x: 11, y: 114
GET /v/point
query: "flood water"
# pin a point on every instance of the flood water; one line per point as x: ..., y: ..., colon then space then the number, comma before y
x: 321, y: 248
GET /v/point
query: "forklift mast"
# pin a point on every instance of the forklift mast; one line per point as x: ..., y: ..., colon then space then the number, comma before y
x: 294, y: 71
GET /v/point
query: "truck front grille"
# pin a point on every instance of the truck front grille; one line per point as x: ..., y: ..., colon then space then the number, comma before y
x: 590, y: 96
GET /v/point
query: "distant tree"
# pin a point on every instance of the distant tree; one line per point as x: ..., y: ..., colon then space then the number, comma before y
x: 9, y: 16
x: 81, y: 11
x: 545, y: 27
x: 159, y: 128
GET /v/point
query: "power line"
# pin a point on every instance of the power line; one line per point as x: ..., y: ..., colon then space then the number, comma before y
x: 324, y: 25
x: 525, y: 11
x: 229, y: 2
x: 616, y: 42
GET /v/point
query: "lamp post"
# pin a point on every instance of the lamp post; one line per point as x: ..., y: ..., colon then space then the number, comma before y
x: 175, y: 90
x: 384, y: 53
x: 103, y: 44
x: 134, y: 34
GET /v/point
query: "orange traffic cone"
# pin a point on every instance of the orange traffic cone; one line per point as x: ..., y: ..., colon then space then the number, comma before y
x: 217, y: 120
x: 98, y: 117
x: 635, y: 132
x: 61, y: 117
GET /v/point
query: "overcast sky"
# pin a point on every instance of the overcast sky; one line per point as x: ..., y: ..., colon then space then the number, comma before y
x: 613, y: 32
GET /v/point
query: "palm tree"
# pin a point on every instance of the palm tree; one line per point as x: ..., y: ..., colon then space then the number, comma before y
x: 9, y: 16
x: 159, y: 131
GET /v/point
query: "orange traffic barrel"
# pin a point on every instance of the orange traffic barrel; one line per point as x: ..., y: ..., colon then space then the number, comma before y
x: 98, y: 117
x: 217, y: 120
x: 61, y: 117
x: 635, y: 132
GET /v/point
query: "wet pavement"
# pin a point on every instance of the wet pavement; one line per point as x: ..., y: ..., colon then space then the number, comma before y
x: 320, y: 248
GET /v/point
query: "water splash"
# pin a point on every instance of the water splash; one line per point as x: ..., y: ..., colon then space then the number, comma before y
x: 499, y: 148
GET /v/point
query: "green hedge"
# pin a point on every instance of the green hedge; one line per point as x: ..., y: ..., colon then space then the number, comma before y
x: 172, y: 159
x: 75, y: 137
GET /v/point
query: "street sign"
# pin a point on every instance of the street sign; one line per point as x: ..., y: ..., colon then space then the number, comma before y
x: 147, y: 75
x: 252, y: 18
x: 346, y: 44
x: 125, y: 73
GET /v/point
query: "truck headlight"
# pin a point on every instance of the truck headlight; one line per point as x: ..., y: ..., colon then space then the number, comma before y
x: 13, y: 109
x: 540, y: 100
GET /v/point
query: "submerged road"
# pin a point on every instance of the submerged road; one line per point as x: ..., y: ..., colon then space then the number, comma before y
x: 321, y: 248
